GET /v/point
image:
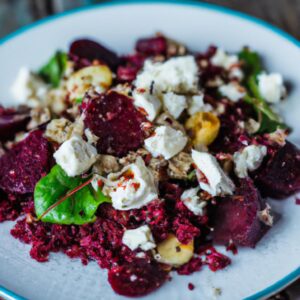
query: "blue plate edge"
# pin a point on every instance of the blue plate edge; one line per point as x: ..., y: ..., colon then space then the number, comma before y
x: 294, y: 275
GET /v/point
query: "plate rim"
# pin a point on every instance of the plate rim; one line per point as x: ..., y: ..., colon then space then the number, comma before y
x: 294, y: 275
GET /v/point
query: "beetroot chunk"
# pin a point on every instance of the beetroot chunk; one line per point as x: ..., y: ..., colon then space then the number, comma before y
x: 152, y: 46
x: 280, y: 177
x: 12, y: 121
x: 25, y: 164
x: 136, y: 279
x: 236, y: 217
x: 85, y: 49
x: 113, y: 118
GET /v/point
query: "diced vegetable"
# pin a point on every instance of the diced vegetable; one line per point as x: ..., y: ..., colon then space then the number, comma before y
x: 204, y: 128
x: 99, y: 77
x: 172, y: 252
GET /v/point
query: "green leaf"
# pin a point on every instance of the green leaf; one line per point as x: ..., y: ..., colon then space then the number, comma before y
x: 80, y: 208
x: 269, y: 121
x: 252, y: 62
x: 54, y: 69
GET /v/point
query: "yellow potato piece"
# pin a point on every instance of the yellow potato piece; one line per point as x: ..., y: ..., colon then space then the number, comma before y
x: 203, y: 128
x: 172, y: 252
x: 99, y: 77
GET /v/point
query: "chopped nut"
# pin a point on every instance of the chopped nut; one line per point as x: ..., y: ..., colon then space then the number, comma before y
x: 251, y: 126
x: 266, y: 216
x: 180, y: 165
x: 106, y: 164
x: 92, y: 139
x: 167, y: 120
x: 59, y: 130
x: 175, y: 48
x: 39, y: 115
x: 158, y: 167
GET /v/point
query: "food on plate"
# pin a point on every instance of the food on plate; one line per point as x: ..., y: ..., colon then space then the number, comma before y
x: 145, y: 162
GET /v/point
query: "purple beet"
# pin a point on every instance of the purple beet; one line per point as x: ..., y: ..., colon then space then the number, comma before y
x: 23, y: 166
x: 12, y: 121
x: 280, y: 177
x: 118, y: 124
x: 236, y: 217
x: 152, y: 46
x: 83, y: 51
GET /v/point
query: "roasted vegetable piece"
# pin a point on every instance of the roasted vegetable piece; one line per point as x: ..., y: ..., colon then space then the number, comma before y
x: 12, y: 121
x: 137, y: 278
x: 89, y: 50
x: 23, y: 166
x: 236, y: 218
x: 280, y: 177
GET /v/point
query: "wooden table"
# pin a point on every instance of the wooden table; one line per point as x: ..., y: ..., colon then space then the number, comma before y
x: 282, y: 13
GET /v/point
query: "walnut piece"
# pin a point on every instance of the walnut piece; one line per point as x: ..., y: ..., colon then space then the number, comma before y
x: 180, y: 165
x: 106, y: 164
x: 39, y: 115
x: 167, y: 120
x: 59, y: 130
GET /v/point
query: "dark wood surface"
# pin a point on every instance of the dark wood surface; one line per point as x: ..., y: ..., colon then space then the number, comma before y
x: 282, y: 13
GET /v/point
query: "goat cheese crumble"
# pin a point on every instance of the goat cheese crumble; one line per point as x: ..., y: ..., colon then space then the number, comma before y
x: 193, y: 202
x: 75, y: 156
x: 175, y: 104
x: 178, y: 75
x: 133, y: 187
x: 148, y: 103
x: 233, y: 91
x: 140, y: 237
x: 215, y: 181
x: 224, y: 60
x: 166, y: 141
x: 250, y: 158
x: 271, y: 87
x: 28, y: 88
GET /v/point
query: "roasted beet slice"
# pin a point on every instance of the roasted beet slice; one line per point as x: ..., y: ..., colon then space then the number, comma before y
x: 280, y: 177
x: 25, y: 164
x: 152, y: 46
x: 136, y: 279
x: 85, y: 49
x: 12, y: 121
x: 236, y: 217
x: 113, y: 118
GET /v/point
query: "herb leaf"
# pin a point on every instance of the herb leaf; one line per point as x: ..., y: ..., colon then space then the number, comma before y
x: 79, y: 208
x: 269, y: 121
x: 54, y: 69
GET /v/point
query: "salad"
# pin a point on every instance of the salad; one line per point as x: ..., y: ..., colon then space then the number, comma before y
x: 144, y: 162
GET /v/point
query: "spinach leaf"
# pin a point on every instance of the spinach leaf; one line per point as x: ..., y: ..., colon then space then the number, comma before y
x: 269, y: 121
x: 252, y: 62
x: 79, y: 208
x: 54, y: 69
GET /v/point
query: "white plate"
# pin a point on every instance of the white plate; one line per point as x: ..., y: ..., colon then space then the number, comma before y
x: 253, y: 274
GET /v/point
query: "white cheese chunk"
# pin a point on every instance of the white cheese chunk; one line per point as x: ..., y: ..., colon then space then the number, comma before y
x: 271, y: 87
x: 166, y: 141
x: 193, y: 202
x: 28, y: 88
x: 133, y: 187
x: 250, y: 158
x: 196, y: 104
x: 222, y: 59
x: 216, y: 182
x: 75, y: 156
x: 148, y: 103
x: 233, y: 91
x: 178, y: 75
x: 175, y: 104
x: 140, y: 237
